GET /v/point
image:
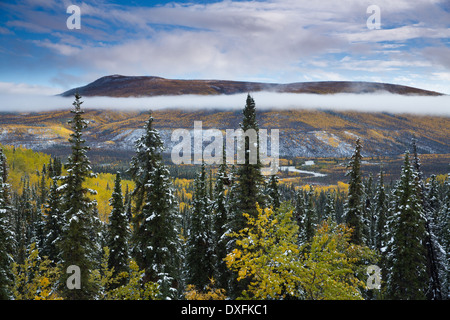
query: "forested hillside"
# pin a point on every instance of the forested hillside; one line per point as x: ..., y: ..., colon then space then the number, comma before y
x: 303, y: 132
x: 70, y: 232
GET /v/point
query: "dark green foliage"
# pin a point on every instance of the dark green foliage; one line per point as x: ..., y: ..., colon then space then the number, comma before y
x: 273, y: 192
x: 305, y: 214
x: 118, y: 232
x: 354, y: 207
x: 78, y: 244
x: 200, y: 251
x: 330, y: 207
x: 155, y: 238
x: 444, y: 236
x: 250, y: 181
x: 311, y: 217
x: 53, y: 223
x: 406, y: 254
x: 6, y: 234
x: 381, y: 211
x: 436, y: 264
x: 147, y: 156
x: 220, y: 210
x: 248, y: 187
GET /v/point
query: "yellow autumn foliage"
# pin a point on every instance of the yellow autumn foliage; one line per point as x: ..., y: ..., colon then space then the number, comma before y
x: 36, y: 278
x: 268, y: 255
x: 210, y: 293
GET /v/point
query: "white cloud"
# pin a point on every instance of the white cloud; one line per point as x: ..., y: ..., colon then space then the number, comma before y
x: 19, y: 89
x: 64, y: 49
x: 264, y: 100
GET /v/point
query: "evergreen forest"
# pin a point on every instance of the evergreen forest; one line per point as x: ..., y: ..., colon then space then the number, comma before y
x: 229, y: 233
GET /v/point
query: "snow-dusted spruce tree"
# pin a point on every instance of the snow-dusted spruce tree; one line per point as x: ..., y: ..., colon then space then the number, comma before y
x: 200, y: 251
x: 273, y: 192
x: 118, y: 231
x: 428, y: 194
x: 220, y: 209
x: 299, y: 213
x: 437, y: 264
x: 78, y: 242
x: 155, y: 242
x: 406, y: 265
x: 444, y: 236
x: 311, y: 217
x: 380, y: 212
x: 353, y: 211
x: 330, y: 207
x: 6, y: 234
x: 431, y: 242
x: 250, y: 181
x: 248, y: 190
x: 23, y: 222
x: 369, y: 212
x: 52, y: 223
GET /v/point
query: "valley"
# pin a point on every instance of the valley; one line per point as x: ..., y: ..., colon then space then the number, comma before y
x: 324, y: 136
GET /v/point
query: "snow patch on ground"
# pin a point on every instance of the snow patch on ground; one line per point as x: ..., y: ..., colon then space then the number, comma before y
x: 293, y: 169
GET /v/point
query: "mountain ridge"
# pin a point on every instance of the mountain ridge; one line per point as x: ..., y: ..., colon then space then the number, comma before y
x: 141, y: 86
x: 303, y: 133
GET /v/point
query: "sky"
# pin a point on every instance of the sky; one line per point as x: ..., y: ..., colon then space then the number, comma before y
x: 269, y: 41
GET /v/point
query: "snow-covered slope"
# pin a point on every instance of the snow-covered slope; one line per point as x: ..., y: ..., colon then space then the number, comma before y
x: 305, y: 133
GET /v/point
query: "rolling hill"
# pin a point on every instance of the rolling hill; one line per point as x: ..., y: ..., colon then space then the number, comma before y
x: 137, y: 86
x: 303, y: 133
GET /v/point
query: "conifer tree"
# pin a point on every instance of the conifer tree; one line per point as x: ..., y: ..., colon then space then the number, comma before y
x: 220, y: 210
x: 38, y: 232
x: 43, y: 188
x: 57, y: 167
x: 330, y: 208
x: 200, y: 251
x: 368, y: 220
x: 24, y: 222
x: 148, y: 149
x: 273, y: 192
x: 248, y: 188
x: 430, y: 203
x: 311, y: 217
x: 77, y: 245
x: 127, y: 204
x: 234, y: 218
x: 306, y: 215
x: 353, y: 212
x: 155, y: 238
x: 53, y: 223
x: 118, y: 231
x: 6, y: 233
x: 435, y: 252
x: 406, y: 255
x: 299, y: 204
x: 300, y: 213
x: 250, y: 181
x: 381, y: 211
x: 28, y: 213
x: 417, y: 165
x: 444, y: 236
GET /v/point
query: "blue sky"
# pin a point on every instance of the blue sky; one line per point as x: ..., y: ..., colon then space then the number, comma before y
x: 269, y: 41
